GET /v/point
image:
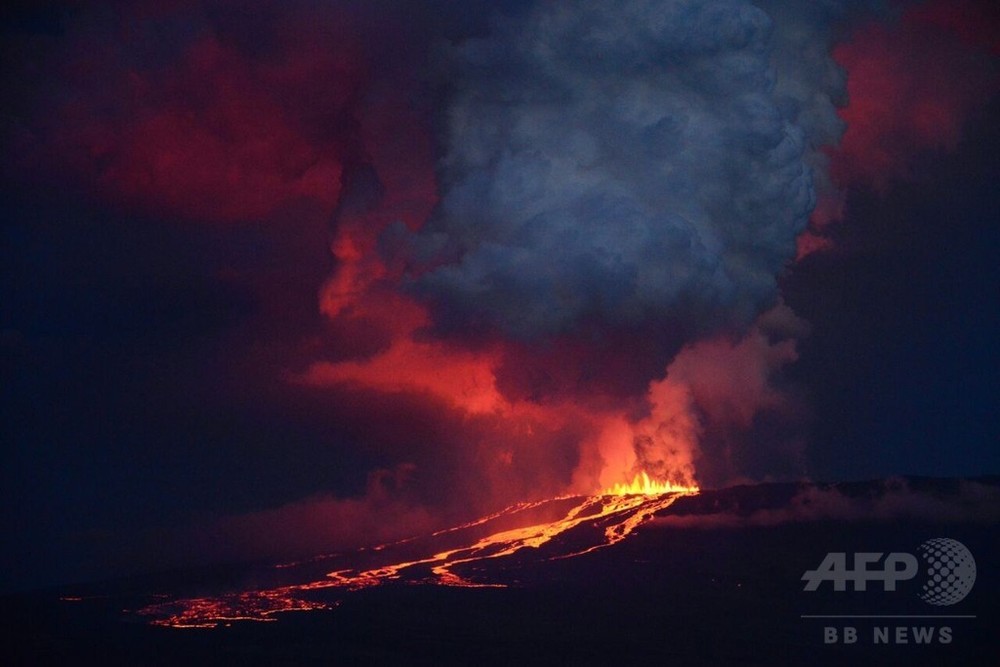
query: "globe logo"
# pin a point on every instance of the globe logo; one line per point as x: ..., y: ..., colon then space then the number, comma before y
x: 951, y: 571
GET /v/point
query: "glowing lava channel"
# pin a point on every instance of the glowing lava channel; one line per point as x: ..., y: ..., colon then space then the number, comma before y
x: 618, y: 510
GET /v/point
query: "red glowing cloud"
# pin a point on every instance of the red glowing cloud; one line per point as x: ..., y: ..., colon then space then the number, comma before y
x: 215, y: 146
x: 205, y: 127
x: 911, y: 86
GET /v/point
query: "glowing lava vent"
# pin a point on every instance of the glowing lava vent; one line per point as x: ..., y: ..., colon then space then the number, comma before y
x: 643, y: 485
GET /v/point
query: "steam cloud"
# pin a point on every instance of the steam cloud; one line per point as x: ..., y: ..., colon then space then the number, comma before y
x: 627, y: 164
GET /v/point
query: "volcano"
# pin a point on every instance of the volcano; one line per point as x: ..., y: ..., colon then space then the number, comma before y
x: 707, y: 577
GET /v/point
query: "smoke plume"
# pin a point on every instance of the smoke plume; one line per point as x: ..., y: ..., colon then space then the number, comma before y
x: 620, y: 183
x: 638, y: 166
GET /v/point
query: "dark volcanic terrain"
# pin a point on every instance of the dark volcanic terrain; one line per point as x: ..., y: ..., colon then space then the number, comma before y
x: 710, y: 579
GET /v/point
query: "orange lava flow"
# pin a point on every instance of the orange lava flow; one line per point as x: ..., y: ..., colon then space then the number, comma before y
x: 209, y: 612
x: 592, y: 523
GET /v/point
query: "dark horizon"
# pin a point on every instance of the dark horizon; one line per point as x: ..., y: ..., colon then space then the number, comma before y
x: 711, y: 578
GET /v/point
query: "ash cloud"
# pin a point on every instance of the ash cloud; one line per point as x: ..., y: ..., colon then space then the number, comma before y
x: 636, y: 166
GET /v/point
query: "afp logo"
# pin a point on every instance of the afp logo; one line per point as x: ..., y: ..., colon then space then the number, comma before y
x: 948, y: 567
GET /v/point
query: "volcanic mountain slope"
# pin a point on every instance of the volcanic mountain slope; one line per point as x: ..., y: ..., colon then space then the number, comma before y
x: 712, y: 578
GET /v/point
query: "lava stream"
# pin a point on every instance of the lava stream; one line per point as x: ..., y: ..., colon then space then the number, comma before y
x: 617, y: 512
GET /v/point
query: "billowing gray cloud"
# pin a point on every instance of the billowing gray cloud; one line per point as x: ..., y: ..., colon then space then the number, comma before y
x: 621, y: 164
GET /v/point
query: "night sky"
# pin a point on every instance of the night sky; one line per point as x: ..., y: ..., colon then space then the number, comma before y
x: 324, y: 274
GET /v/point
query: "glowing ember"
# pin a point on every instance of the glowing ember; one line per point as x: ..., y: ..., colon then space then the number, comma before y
x: 588, y: 523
